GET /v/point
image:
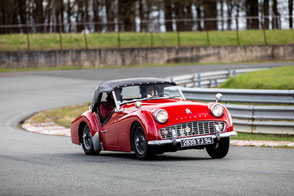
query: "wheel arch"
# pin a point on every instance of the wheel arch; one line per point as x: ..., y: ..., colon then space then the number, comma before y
x: 79, y: 123
x: 144, y: 119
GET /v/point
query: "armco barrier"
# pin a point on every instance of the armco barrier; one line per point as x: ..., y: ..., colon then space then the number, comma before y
x: 208, y: 79
x: 241, y: 95
x: 246, y: 118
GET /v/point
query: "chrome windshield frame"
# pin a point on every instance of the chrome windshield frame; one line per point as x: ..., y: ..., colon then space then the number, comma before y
x: 182, y: 95
x: 116, y: 102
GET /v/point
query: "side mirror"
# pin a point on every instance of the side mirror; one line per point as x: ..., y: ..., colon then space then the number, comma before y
x: 138, y: 104
x: 218, y: 97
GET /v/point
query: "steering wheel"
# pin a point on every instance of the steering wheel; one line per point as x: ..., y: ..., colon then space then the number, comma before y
x: 164, y: 94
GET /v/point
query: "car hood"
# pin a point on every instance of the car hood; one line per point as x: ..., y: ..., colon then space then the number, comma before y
x: 177, y: 109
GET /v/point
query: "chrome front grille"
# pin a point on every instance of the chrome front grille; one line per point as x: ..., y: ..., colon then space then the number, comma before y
x: 192, y: 129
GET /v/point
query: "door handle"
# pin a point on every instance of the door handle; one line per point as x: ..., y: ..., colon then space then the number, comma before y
x: 103, y: 131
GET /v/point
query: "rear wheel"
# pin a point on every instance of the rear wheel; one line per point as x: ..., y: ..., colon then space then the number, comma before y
x: 141, y: 148
x: 219, y: 149
x: 87, y: 142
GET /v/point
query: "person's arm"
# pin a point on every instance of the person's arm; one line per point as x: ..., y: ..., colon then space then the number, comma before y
x: 104, y: 111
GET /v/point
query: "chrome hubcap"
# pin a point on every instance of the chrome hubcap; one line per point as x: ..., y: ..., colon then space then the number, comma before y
x: 140, y: 141
x: 87, y: 138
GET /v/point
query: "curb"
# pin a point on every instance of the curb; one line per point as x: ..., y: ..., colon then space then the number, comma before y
x: 48, y: 128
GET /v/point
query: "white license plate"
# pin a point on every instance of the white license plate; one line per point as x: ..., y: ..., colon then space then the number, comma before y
x: 196, y: 142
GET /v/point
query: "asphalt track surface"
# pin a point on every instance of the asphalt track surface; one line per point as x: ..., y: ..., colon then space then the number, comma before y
x: 35, y: 164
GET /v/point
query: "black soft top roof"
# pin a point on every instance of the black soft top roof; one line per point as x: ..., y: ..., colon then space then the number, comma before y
x: 108, y: 86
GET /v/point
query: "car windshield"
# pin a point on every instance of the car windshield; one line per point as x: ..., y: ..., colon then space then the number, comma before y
x: 152, y: 91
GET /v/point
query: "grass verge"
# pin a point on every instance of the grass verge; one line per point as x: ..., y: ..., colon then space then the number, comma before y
x: 281, y: 78
x: 111, y: 66
x: 3, y: 70
x: 263, y: 137
x: 62, y: 116
x: 12, y: 42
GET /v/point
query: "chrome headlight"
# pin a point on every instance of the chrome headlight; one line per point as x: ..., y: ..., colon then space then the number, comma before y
x: 217, y: 110
x: 161, y: 116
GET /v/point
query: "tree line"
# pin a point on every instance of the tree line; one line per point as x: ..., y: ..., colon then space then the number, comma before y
x: 141, y: 15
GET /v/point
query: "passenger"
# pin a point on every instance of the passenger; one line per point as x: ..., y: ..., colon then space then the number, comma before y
x: 106, y: 107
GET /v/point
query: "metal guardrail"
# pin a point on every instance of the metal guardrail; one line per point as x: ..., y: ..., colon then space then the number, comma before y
x: 209, y: 79
x: 241, y: 95
x: 246, y: 118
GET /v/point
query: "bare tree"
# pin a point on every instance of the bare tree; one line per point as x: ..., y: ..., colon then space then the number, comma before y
x: 266, y: 13
x: 126, y: 12
x: 210, y: 11
x: 252, y: 14
x: 168, y: 14
x: 290, y: 7
x: 276, y: 22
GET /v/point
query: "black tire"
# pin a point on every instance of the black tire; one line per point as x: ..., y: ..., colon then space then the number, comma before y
x: 140, y: 145
x: 219, y: 149
x: 87, y: 142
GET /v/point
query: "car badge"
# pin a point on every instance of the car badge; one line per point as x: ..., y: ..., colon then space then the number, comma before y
x: 188, y: 111
x: 187, y: 129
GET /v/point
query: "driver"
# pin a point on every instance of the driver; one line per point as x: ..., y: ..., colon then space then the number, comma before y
x: 150, y: 91
x: 107, y: 107
x: 147, y: 90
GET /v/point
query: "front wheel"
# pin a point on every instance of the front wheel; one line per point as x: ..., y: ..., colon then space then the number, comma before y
x: 219, y: 149
x: 141, y: 148
x: 87, y: 142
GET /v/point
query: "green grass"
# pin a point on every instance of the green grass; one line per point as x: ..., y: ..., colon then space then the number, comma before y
x: 281, y: 78
x: 12, y: 42
x: 41, y: 69
x: 112, y: 66
x: 62, y: 116
x: 264, y: 137
x: 103, y: 67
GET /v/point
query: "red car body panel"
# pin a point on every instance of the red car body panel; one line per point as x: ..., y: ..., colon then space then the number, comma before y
x: 87, y: 117
x: 115, y: 134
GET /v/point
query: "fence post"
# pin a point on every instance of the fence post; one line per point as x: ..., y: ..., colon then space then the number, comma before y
x: 215, y: 82
x: 60, y: 38
x: 194, y: 80
x: 178, y: 35
x: 151, y: 34
x: 264, y: 35
x: 234, y: 73
x: 86, y: 40
x: 209, y: 83
x: 207, y: 37
x: 118, y: 37
x: 199, y: 80
x: 28, y: 38
x: 237, y: 31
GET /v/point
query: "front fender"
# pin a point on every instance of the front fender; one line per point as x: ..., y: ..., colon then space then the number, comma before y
x: 125, y: 125
x: 149, y: 124
x: 86, y: 118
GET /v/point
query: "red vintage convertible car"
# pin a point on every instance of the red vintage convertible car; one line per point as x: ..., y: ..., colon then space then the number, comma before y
x: 151, y: 116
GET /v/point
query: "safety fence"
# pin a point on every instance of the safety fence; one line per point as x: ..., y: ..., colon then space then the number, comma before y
x: 274, y: 119
x: 147, y: 33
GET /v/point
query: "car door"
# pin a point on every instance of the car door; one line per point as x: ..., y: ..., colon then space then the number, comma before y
x: 107, y: 128
x: 108, y: 132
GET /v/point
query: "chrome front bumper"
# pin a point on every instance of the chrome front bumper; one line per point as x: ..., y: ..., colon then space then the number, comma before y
x: 178, y: 140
